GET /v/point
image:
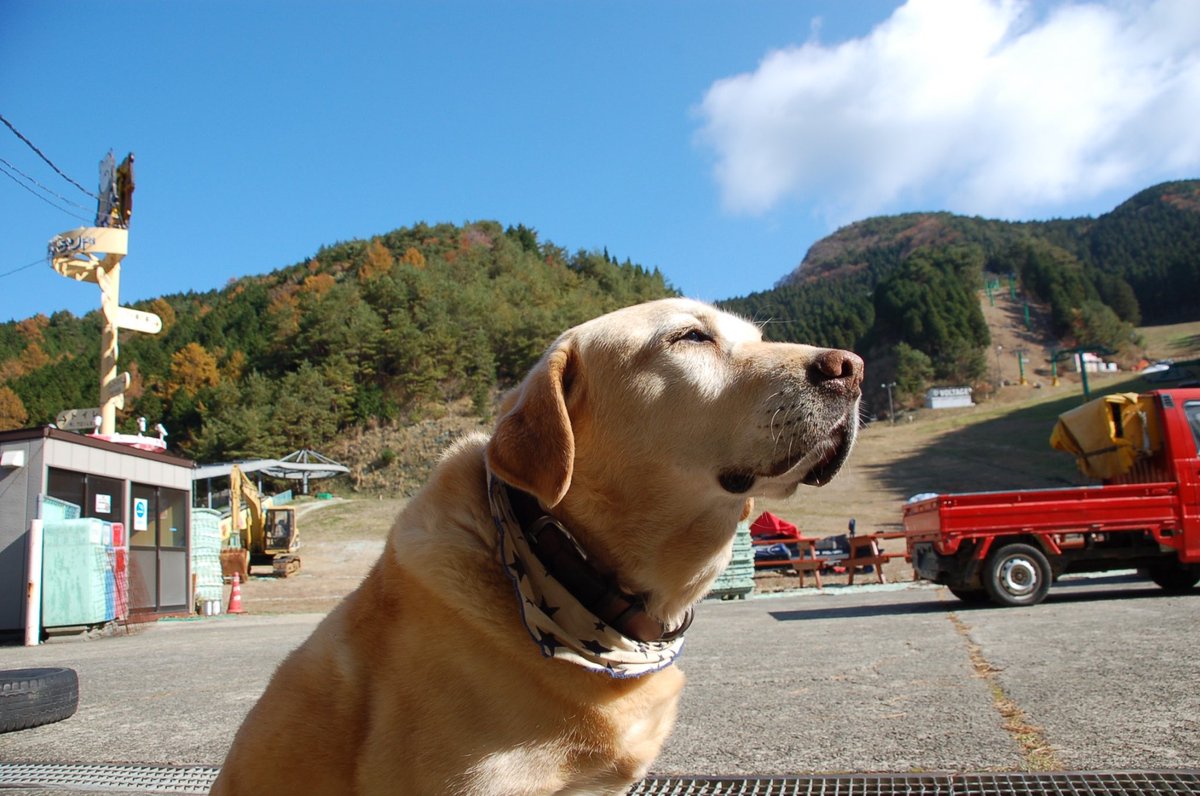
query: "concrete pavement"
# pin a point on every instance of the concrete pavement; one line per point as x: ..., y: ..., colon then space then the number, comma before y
x: 900, y: 678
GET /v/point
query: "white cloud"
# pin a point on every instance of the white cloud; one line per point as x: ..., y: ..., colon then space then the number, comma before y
x: 975, y: 106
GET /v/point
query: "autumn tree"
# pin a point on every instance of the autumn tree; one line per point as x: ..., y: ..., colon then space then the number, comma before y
x: 192, y: 369
x: 377, y: 261
x: 413, y: 257
x: 166, y: 313
x: 12, y: 410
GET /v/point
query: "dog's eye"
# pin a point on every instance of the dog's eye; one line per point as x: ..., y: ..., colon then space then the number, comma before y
x: 694, y: 336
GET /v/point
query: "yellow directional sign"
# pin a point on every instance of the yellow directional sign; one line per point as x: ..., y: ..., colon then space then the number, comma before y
x: 138, y: 320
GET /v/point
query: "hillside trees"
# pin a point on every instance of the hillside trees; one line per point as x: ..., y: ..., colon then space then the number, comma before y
x: 930, y: 303
x: 1152, y: 242
x: 1051, y: 274
x: 834, y: 312
x: 914, y: 373
x: 389, y: 329
x: 400, y: 326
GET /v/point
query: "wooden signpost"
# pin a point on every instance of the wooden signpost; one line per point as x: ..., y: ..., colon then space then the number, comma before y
x: 94, y: 254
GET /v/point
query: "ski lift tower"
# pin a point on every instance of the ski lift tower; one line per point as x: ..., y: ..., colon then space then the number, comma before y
x: 94, y: 254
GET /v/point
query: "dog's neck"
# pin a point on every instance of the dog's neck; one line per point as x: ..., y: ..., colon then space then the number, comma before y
x: 668, y: 552
x: 609, y: 628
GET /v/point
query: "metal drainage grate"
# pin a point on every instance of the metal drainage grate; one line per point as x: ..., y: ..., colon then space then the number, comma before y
x: 1116, y: 783
x: 199, y: 779
x: 128, y: 778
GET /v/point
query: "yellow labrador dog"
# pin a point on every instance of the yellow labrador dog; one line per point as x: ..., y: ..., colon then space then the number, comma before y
x: 518, y: 634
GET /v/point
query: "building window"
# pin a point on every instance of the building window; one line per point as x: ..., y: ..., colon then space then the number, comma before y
x: 96, y: 496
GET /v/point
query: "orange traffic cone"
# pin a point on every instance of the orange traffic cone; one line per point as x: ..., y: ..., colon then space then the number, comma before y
x: 235, y: 596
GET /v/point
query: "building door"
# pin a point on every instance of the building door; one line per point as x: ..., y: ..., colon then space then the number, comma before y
x: 158, y: 554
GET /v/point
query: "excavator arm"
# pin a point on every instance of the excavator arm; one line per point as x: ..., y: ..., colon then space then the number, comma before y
x: 242, y: 489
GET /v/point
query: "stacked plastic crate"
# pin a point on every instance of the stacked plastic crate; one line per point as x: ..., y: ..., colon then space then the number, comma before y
x: 54, y: 510
x: 738, y: 578
x: 206, y: 559
x: 77, y: 576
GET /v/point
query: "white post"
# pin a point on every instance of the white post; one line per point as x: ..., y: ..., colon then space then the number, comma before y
x: 33, y: 587
x: 109, y: 280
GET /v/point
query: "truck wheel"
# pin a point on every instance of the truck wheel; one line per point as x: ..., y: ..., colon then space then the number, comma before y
x: 1017, y: 574
x: 32, y: 697
x: 1175, y: 578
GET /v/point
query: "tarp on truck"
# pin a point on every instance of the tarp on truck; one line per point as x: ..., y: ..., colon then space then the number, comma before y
x: 1109, y: 434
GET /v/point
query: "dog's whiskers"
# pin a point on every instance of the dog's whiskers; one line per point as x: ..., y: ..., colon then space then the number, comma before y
x: 775, y: 437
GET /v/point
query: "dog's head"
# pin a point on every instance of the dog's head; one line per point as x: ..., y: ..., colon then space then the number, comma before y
x: 648, y: 430
x: 678, y: 389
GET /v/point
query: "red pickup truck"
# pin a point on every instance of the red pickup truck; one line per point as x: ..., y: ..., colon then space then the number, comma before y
x: 1008, y: 547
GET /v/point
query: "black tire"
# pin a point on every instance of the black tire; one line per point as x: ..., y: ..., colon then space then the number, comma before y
x: 972, y: 596
x: 32, y: 697
x: 1175, y: 577
x: 1017, y: 574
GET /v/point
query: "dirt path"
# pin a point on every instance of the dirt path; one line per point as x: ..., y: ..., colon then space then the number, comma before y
x: 340, y: 541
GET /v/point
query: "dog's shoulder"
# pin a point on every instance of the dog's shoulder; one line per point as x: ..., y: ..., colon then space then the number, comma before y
x: 453, y: 499
x: 445, y: 535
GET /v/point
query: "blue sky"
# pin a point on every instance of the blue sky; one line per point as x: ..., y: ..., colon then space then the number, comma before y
x: 712, y: 139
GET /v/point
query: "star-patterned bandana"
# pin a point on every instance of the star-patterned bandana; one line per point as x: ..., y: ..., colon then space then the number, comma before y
x: 558, y: 623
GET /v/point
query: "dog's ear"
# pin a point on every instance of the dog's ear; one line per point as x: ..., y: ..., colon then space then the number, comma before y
x: 533, y: 446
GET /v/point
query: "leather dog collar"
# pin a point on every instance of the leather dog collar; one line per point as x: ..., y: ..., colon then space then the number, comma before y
x: 570, y: 609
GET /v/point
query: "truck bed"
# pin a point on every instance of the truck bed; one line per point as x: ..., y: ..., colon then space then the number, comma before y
x: 1089, y: 509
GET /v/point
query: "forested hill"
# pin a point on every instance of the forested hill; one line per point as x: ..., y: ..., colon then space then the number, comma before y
x: 370, y: 331
x: 394, y: 329
x: 905, y: 289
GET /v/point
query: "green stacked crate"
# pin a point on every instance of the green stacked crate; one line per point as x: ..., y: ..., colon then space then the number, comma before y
x: 738, y: 578
x: 206, y: 556
x: 76, y: 573
x: 54, y: 510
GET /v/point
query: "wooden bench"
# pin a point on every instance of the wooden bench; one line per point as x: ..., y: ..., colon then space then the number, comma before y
x: 904, y: 554
x: 864, y: 552
x: 807, y: 561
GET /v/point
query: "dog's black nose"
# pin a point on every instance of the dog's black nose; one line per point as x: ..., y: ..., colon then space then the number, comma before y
x: 834, y: 365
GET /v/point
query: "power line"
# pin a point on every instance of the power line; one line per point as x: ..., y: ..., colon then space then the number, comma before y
x: 49, y: 162
x: 4, y: 171
x: 43, y: 187
x: 38, y: 261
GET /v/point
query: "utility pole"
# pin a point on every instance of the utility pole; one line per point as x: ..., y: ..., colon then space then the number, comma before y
x: 94, y: 254
x: 891, y: 411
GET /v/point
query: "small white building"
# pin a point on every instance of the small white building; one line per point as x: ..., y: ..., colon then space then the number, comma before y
x: 1093, y: 363
x: 149, y: 494
x: 948, y: 397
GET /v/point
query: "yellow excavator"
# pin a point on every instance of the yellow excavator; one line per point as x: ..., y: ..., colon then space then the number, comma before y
x: 268, y: 536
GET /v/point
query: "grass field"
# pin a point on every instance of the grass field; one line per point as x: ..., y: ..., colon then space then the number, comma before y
x: 999, y: 445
